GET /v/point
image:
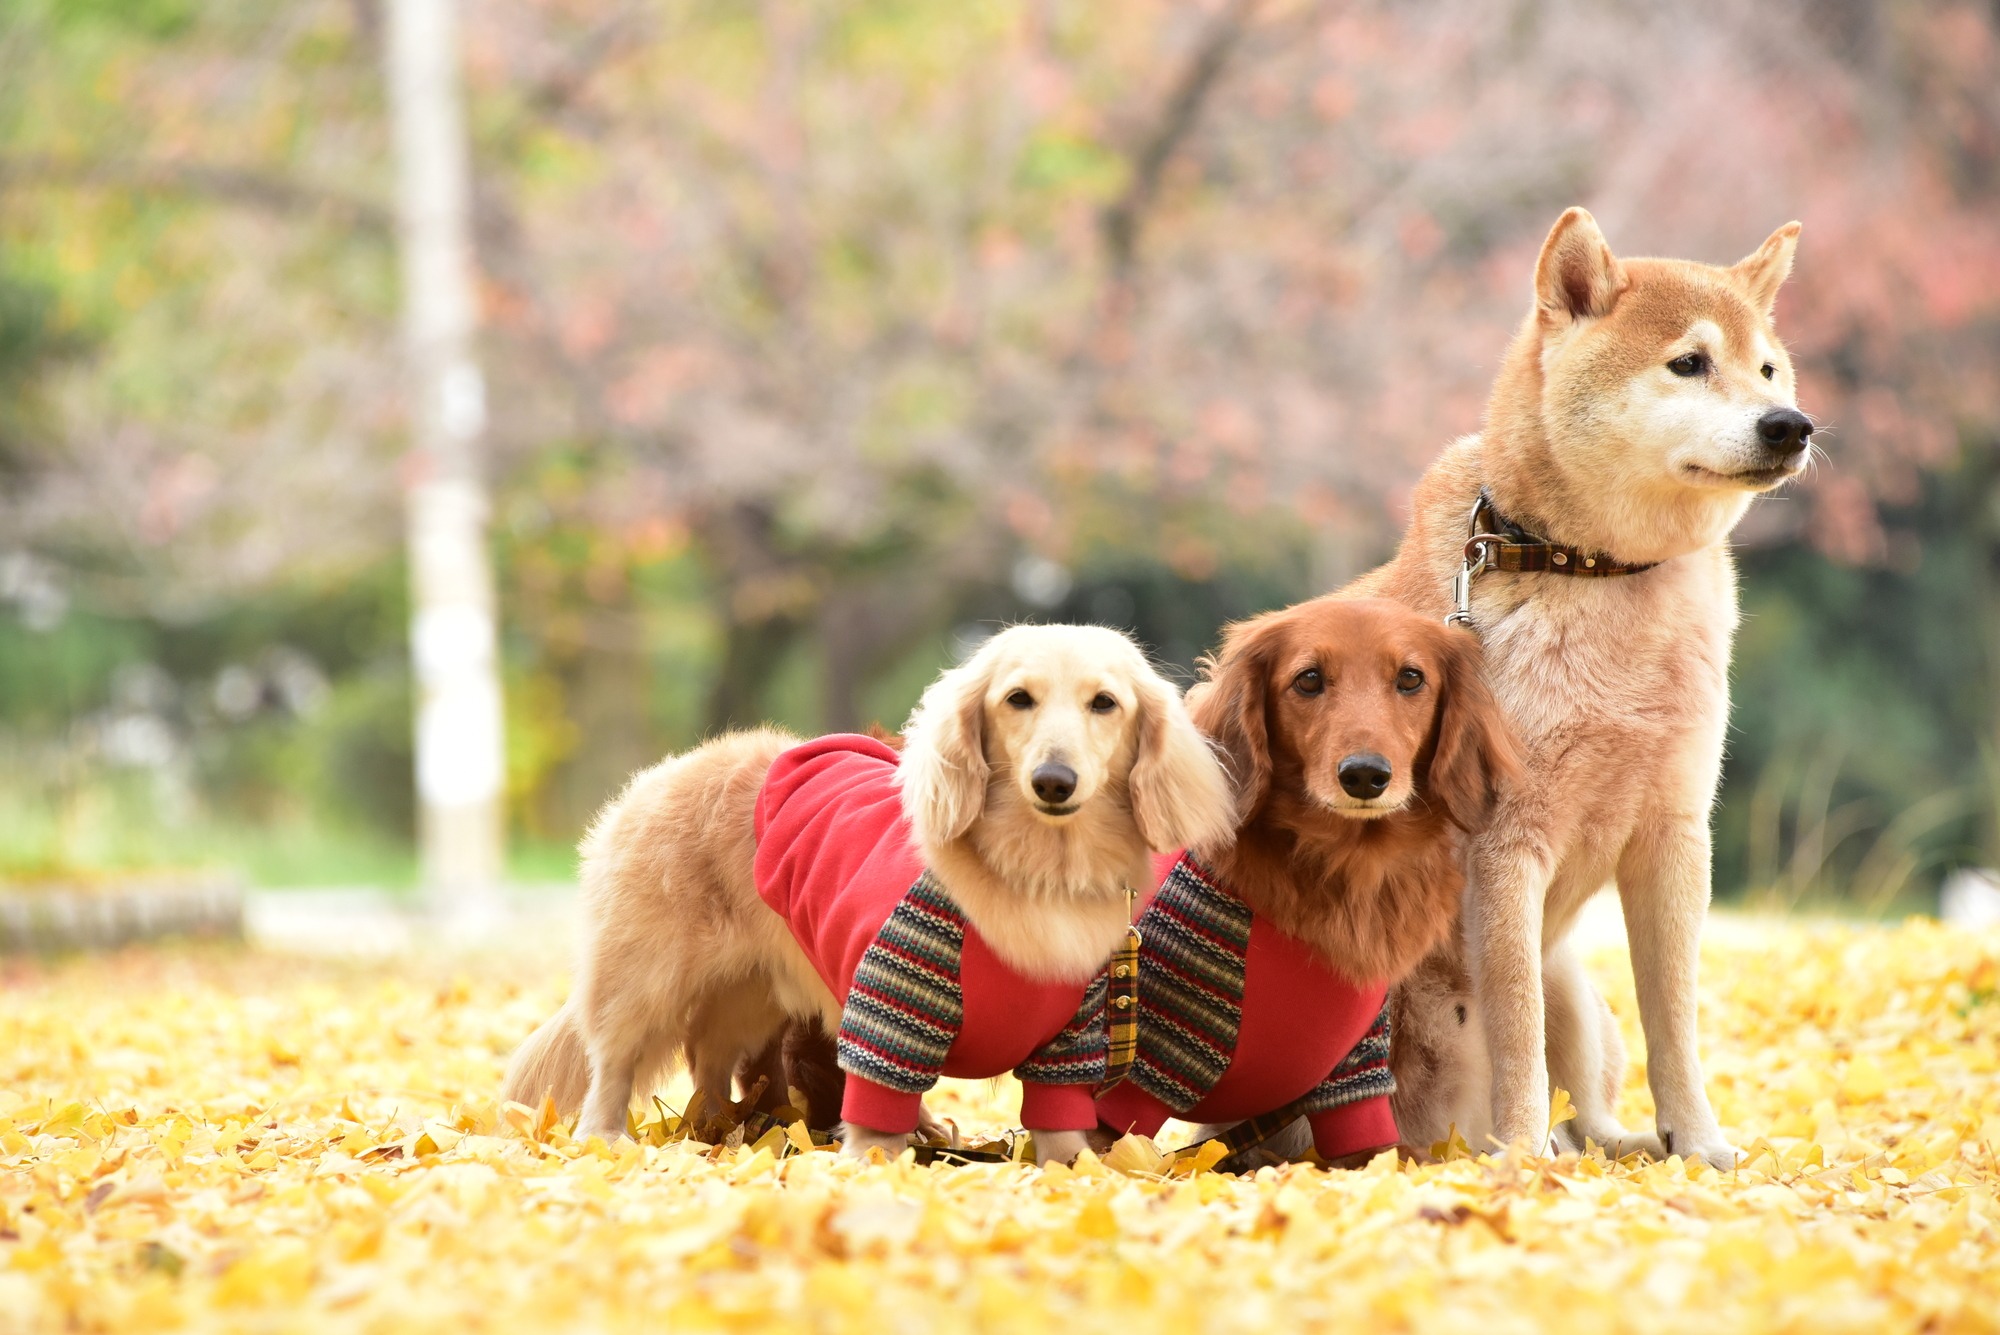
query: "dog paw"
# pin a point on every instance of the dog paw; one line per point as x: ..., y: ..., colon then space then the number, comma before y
x: 857, y: 1141
x: 1718, y: 1154
x: 935, y: 1131
x: 1710, y: 1148
x: 1059, y: 1146
x: 1613, y: 1139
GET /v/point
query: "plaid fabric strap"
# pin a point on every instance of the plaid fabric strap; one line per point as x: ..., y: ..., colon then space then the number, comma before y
x: 1122, y: 1020
x: 1245, y: 1135
x: 905, y: 1007
x: 1507, y: 546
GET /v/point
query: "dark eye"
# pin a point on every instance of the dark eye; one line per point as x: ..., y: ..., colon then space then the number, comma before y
x: 1309, y: 682
x: 1409, y: 680
x: 1693, y: 363
x: 1103, y: 703
x: 1769, y: 370
x: 1021, y: 700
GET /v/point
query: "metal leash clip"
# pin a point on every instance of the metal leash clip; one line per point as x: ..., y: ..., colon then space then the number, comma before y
x: 1461, y: 589
x: 1474, y: 562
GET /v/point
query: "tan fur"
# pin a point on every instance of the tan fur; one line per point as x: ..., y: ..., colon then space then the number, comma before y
x: 1618, y: 687
x: 681, y: 956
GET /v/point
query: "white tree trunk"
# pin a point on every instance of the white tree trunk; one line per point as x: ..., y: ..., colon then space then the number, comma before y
x: 459, y: 746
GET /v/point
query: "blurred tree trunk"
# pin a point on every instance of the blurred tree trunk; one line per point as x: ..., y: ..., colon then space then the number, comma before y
x: 607, y: 683
x: 1982, y: 461
x: 765, y: 595
x: 459, y: 744
x: 862, y: 630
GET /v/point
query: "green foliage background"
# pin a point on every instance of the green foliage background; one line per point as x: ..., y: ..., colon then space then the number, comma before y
x: 893, y: 216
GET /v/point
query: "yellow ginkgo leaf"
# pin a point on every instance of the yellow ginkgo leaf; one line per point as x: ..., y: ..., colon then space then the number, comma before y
x: 1135, y: 1154
x: 1560, y: 1109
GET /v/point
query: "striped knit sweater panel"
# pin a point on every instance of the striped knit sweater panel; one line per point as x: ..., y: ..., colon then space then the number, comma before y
x: 1077, y: 1055
x: 1362, y: 1074
x: 1190, y: 986
x: 1191, y: 1001
x: 906, y: 1005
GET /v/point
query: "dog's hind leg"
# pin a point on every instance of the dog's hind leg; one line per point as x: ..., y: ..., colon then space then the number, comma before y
x: 1586, y: 1057
x: 1437, y: 1052
x: 812, y: 1066
x: 633, y: 1030
x: 735, y: 1020
x: 768, y: 1066
x: 615, y: 1070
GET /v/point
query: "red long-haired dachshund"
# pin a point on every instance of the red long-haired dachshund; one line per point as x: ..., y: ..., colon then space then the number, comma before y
x: 1365, y: 746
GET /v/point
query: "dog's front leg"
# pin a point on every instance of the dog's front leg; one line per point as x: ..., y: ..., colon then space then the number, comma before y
x: 1663, y: 885
x: 1503, y: 934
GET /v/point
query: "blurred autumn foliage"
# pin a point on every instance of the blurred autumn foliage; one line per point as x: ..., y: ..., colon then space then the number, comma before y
x: 818, y: 334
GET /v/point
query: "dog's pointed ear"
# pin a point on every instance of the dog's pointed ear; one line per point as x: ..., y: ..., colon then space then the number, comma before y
x: 1229, y: 708
x: 1476, y: 756
x: 1180, y: 797
x: 1577, y: 277
x: 943, y: 770
x: 1760, y: 275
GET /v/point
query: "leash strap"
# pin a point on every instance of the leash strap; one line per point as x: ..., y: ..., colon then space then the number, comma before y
x: 1246, y: 1135
x: 1121, y: 1016
x: 1495, y: 543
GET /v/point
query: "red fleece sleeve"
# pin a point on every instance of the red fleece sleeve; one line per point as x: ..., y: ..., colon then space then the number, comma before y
x: 1365, y: 1124
x: 1127, y: 1108
x: 1057, y: 1107
x: 878, y: 1107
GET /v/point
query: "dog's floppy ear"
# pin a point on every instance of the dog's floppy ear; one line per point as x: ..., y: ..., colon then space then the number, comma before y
x: 1762, y: 274
x: 1229, y: 708
x: 1180, y: 797
x: 1476, y: 755
x: 943, y: 771
x: 1577, y: 276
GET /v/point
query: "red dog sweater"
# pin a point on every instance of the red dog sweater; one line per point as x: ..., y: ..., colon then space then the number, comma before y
x: 1237, y: 1019
x: 923, y: 994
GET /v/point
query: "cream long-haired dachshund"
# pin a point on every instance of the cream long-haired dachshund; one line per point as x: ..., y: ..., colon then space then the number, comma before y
x: 1642, y: 405
x: 950, y: 912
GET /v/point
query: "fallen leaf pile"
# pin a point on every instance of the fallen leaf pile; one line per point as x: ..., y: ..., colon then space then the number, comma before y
x: 223, y: 1141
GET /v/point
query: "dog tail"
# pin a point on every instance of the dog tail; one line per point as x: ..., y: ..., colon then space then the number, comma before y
x: 553, y: 1061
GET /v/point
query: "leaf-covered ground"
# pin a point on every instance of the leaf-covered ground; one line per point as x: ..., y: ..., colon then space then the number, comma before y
x: 223, y: 1141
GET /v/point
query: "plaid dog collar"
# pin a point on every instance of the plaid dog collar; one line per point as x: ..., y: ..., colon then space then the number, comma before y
x: 1495, y: 542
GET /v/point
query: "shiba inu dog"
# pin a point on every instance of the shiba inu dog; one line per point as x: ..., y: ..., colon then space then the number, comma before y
x: 1640, y: 408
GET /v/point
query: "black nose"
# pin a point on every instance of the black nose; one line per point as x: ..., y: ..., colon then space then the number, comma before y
x: 1784, y: 431
x: 1054, y: 782
x: 1365, y: 775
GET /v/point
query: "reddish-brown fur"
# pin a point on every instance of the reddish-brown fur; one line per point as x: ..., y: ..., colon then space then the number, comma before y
x: 1372, y: 893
